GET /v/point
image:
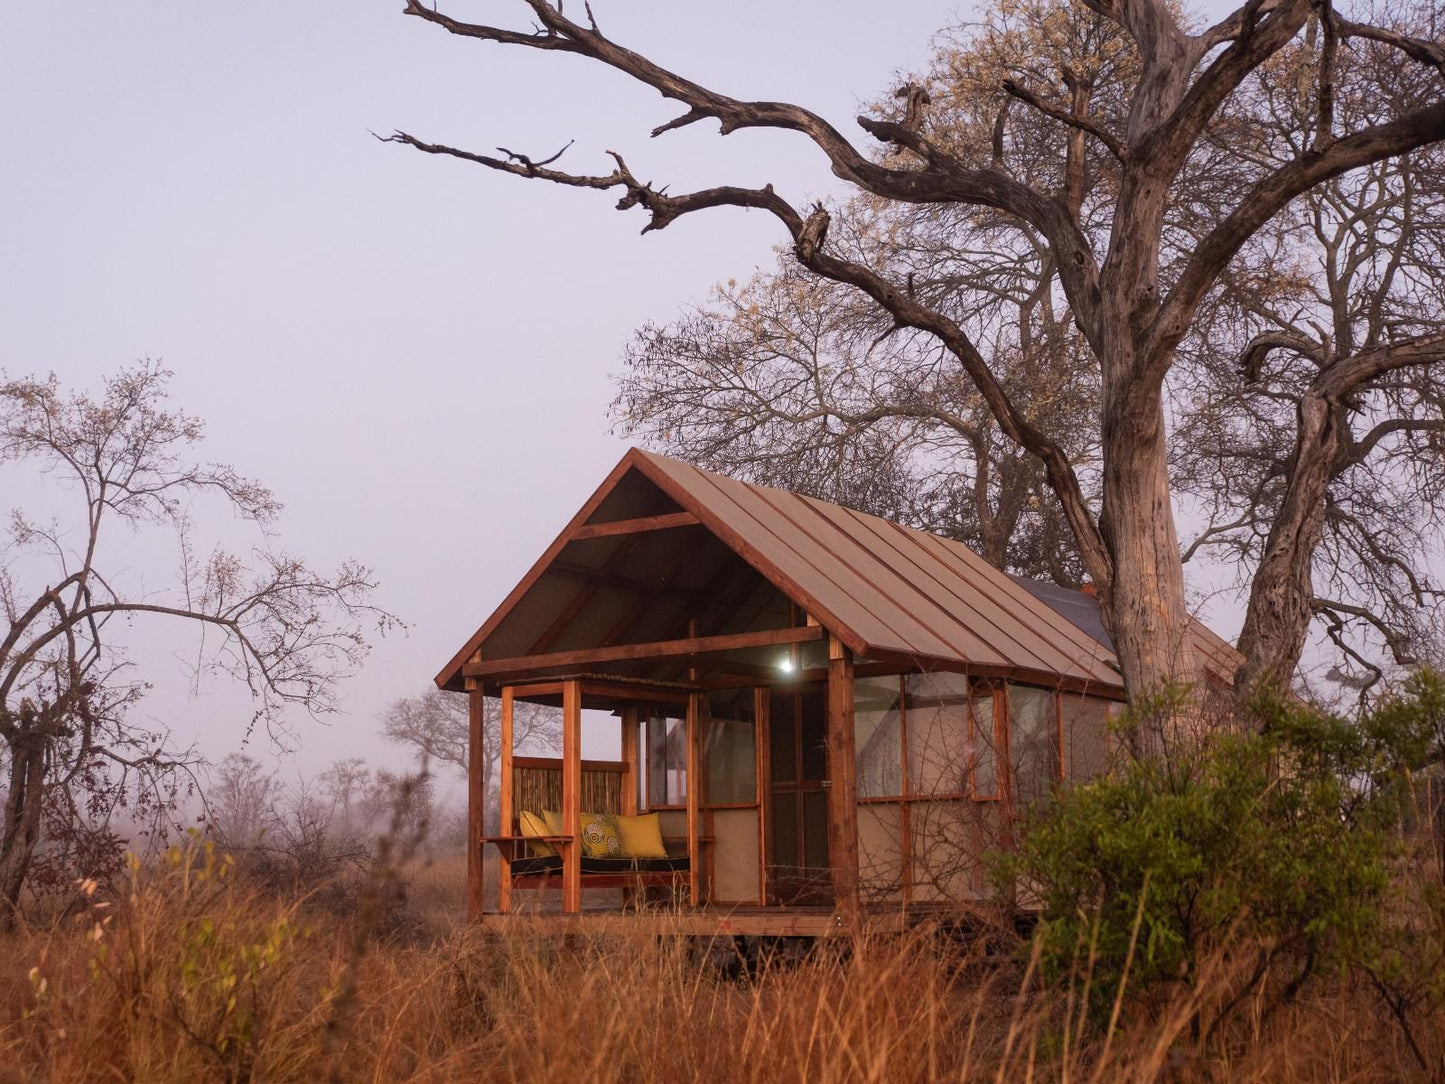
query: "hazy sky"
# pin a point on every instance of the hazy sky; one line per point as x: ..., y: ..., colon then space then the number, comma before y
x: 414, y: 353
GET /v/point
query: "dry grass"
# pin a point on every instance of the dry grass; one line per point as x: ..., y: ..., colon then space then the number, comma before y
x: 191, y: 975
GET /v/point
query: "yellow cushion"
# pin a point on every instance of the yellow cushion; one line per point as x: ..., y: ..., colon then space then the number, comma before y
x: 533, y: 825
x: 641, y: 836
x: 599, y: 836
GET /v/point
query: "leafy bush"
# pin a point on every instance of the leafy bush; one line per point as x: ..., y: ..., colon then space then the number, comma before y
x: 1280, y: 834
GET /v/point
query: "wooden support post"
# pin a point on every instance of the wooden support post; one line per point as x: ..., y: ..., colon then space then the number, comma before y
x: 694, y: 798
x: 476, y: 798
x: 905, y: 807
x: 763, y: 776
x: 629, y: 757
x: 504, y: 790
x: 628, y: 805
x: 843, y: 782
x: 572, y: 796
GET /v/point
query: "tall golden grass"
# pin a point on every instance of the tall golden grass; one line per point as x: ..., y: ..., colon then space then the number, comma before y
x: 189, y: 974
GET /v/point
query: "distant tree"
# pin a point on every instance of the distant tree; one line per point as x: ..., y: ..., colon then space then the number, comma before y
x: 348, y: 785
x: 1136, y: 185
x: 436, y: 726
x: 307, y: 831
x: 241, y: 800
x: 288, y: 631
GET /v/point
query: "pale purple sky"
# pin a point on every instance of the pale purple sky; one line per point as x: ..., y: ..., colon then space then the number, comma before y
x: 414, y: 353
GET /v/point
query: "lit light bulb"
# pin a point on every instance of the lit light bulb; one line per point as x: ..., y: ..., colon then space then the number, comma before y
x: 786, y: 666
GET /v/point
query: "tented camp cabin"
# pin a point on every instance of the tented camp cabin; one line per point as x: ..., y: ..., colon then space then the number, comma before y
x: 807, y: 710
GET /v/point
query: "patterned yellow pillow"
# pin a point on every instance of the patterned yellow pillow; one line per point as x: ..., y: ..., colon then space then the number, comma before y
x: 600, y: 838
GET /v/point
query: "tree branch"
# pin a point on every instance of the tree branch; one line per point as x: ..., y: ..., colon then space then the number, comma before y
x: 1419, y: 49
x: 1349, y: 374
x: 808, y: 239
x: 1023, y: 94
x: 1267, y: 198
x: 1360, y: 450
x: 1251, y: 361
x: 1398, y: 645
x: 664, y: 209
x: 943, y: 180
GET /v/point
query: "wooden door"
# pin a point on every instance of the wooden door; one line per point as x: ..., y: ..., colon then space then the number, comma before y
x: 798, y: 759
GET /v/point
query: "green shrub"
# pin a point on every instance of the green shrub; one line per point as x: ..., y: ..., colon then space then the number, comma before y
x: 1279, y: 835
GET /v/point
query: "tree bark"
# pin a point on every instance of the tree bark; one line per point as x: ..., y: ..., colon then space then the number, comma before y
x: 1277, y: 620
x: 1146, y: 606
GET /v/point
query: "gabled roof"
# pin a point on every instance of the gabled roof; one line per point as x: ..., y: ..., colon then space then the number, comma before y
x: 885, y: 590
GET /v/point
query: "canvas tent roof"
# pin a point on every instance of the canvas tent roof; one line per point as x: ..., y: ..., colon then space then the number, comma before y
x: 885, y: 590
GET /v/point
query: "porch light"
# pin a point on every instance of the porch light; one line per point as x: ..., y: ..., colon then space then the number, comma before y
x: 786, y: 665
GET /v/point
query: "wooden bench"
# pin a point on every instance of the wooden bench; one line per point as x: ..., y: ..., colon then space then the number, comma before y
x: 532, y: 871
x: 606, y: 787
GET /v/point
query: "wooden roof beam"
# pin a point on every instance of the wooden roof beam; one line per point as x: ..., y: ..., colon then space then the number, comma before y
x: 664, y: 522
x: 691, y: 646
x: 622, y: 583
x: 589, y: 589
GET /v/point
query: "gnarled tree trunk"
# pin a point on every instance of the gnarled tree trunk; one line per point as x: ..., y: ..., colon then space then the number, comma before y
x: 21, y: 829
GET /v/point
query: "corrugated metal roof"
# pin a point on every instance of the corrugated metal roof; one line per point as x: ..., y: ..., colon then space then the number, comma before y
x: 883, y: 589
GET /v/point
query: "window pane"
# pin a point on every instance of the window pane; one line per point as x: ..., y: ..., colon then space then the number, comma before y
x: 813, y: 655
x: 728, y: 757
x: 981, y: 741
x: 936, y: 707
x: 815, y: 830
x: 880, y: 851
x: 783, y: 738
x: 1086, y: 737
x: 666, y: 761
x: 786, y: 852
x: 735, y: 856
x: 877, y: 737
x: 814, y: 724
x: 1033, y: 743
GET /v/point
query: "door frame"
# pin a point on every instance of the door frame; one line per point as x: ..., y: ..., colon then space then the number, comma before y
x: 796, y: 789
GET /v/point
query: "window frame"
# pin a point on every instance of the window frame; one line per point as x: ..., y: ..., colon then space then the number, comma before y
x: 907, y: 793
x: 995, y: 692
x: 645, y: 775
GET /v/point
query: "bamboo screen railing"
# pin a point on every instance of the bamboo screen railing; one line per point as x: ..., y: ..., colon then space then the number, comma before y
x: 537, y: 785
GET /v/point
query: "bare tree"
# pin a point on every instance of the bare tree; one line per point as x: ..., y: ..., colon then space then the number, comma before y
x: 284, y: 629
x: 790, y: 381
x: 1135, y: 284
x: 241, y: 800
x: 435, y: 725
x: 1319, y: 461
x: 312, y: 831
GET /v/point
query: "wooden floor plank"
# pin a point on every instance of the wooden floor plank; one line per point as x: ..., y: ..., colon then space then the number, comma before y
x: 734, y: 922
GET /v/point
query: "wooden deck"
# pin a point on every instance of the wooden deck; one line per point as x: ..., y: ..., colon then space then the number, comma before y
x: 706, y: 922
